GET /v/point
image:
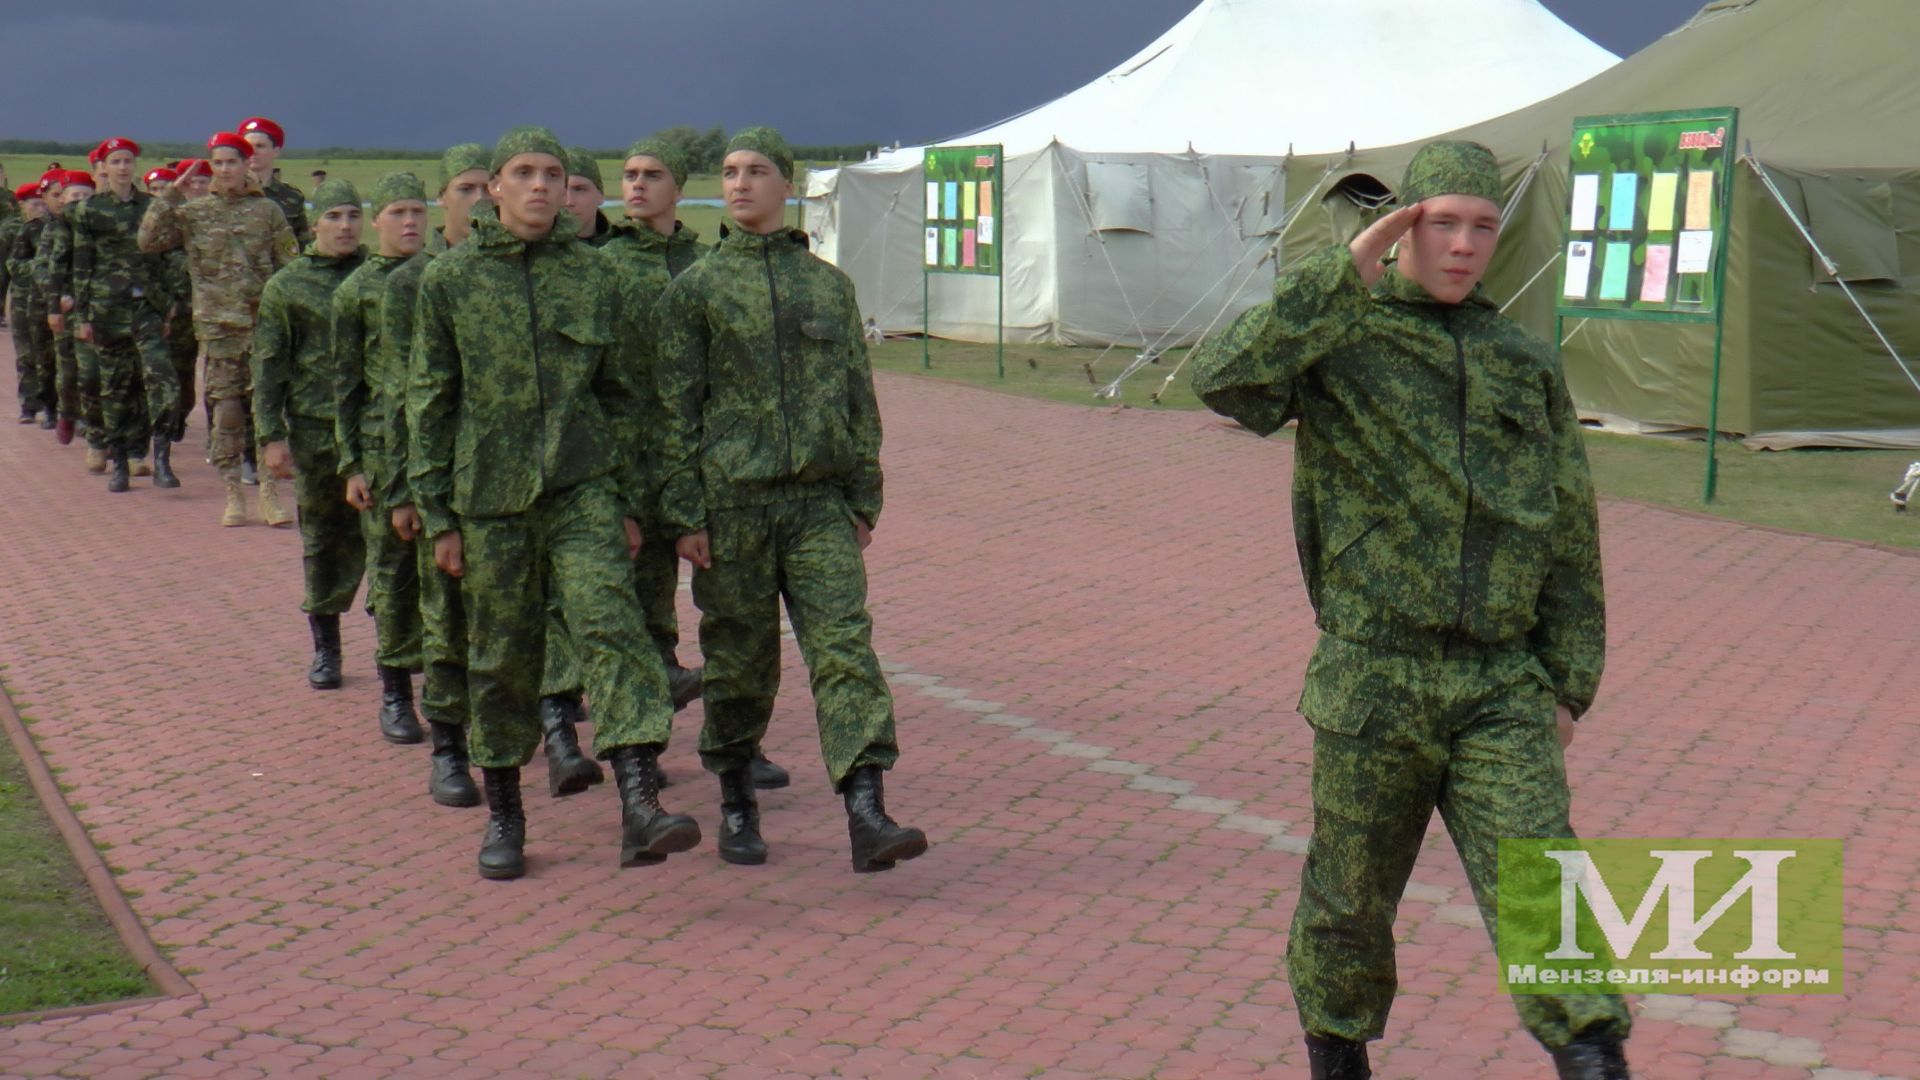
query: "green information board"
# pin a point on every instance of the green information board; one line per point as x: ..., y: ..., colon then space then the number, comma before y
x: 1646, y: 221
x: 963, y: 209
x: 964, y: 230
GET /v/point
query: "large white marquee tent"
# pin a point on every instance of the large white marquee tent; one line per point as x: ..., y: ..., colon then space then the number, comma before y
x: 1138, y: 207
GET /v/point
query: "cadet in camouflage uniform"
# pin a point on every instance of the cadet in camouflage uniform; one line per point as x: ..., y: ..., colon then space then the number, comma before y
x: 294, y: 382
x: 235, y: 239
x: 32, y: 339
x: 120, y: 302
x: 1447, y: 533
x: 182, y: 346
x: 770, y: 478
x: 525, y: 462
x: 267, y: 140
x: 53, y: 273
x: 393, y: 582
x: 585, y: 193
x: 443, y: 620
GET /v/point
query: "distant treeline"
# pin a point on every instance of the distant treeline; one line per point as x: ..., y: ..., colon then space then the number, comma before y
x: 704, y: 149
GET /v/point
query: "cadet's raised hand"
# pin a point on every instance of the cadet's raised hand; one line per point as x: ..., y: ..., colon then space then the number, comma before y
x: 449, y: 554
x: 633, y: 537
x: 1373, y: 244
x: 694, y: 548
x: 359, y: 496
x: 406, y: 522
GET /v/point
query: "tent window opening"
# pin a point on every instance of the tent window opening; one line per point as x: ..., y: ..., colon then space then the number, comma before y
x: 1852, y: 218
x: 1363, y: 191
x: 1352, y: 205
x: 1119, y: 196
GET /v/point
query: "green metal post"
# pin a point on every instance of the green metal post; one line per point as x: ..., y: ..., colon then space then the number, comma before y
x: 1720, y: 315
x: 926, y: 322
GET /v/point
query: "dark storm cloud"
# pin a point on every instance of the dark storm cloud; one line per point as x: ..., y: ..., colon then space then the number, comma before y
x: 423, y: 73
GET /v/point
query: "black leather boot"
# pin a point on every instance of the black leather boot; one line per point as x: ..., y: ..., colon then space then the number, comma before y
x: 503, y: 850
x: 1595, y: 1055
x: 648, y: 833
x: 450, y: 783
x: 398, y: 723
x: 1330, y: 1057
x: 325, y: 672
x: 117, y: 478
x: 163, y: 463
x: 569, y: 772
x: 740, y: 841
x: 684, y: 685
x: 766, y: 775
x: 878, y: 842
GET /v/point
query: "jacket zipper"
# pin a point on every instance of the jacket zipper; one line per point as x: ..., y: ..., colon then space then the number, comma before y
x: 779, y: 360
x: 1466, y: 520
x: 533, y: 347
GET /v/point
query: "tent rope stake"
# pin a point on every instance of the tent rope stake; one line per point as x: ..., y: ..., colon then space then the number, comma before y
x: 1833, y: 268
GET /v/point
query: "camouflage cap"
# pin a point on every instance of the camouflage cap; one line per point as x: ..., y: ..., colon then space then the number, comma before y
x: 766, y: 142
x: 668, y: 155
x: 396, y: 187
x: 335, y: 192
x: 530, y: 139
x: 580, y: 162
x: 463, y: 158
x: 1451, y: 168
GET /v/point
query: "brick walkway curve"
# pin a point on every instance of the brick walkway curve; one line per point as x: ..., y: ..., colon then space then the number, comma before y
x: 1097, y: 633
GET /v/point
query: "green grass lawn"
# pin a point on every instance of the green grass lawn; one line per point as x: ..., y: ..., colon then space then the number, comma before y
x: 1829, y: 492
x: 56, y: 947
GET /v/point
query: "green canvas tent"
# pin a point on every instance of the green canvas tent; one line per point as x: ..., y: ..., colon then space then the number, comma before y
x: 1829, y: 100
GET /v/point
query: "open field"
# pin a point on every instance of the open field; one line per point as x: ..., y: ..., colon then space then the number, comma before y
x: 56, y: 947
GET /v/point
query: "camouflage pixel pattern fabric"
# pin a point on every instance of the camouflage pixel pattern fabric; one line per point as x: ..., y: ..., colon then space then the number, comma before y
x: 581, y: 162
x: 387, y: 374
x: 766, y: 142
x: 763, y: 377
x: 664, y: 152
x: 33, y: 352
x: 229, y: 386
x: 528, y: 139
x: 121, y: 292
x: 523, y: 376
x: 333, y: 547
x: 1451, y: 168
x: 460, y: 158
x: 803, y: 552
x: 234, y: 243
x: 293, y: 204
x: 1441, y: 491
x: 77, y: 386
x: 1395, y: 737
x: 396, y: 187
x: 293, y: 361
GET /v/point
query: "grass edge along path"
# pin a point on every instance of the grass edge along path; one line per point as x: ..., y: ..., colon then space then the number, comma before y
x: 1841, y: 494
x: 69, y: 941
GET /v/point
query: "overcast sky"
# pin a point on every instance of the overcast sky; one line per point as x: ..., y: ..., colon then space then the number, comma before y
x: 426, y: 73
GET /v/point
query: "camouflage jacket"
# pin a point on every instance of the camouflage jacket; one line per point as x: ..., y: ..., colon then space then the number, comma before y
x: 293, y: 203
x: 359, y: 424
x: 9, y: 229
x: 524, y: 376
x: 9, y: 206
x: 53, y: 261
x: 178, y: 285
x: 388, y: 369
x: 24, y: 242
x: 1441, y: 495
x: 293, y: 372
x: 763, y: 373
x: 654, y: 260
x: 110, y: 273
x: 234, y: 244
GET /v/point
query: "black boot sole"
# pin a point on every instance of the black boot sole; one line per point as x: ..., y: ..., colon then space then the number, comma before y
x: 457, y: 800
x: 681, y: 837
x: 743, y: 857
x: 323, y: 684
x: 504, y: 873
x: 911, y: 846
x: 772, y: 783
x: 564, y: 780
x: 402, y: 735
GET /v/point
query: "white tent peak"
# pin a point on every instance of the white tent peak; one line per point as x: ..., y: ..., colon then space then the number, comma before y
x: 1248, y: 76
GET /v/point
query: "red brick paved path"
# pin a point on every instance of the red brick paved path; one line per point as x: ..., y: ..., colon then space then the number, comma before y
x: 1098, y: 633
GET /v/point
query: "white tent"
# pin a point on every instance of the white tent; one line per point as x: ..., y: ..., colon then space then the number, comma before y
x: 1138, y: 206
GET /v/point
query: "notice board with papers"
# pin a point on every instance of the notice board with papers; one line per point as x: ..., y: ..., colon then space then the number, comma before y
x: 1646, y: 218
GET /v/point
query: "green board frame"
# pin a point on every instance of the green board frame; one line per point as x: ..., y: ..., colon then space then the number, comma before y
x: 964, y: 220
x: 1644, y: 234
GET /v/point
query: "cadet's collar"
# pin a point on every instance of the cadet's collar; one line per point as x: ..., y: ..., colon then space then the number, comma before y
x: 784, y: 237
x: 1394, y: 285
x: 647, y: 237
x: 313, y: 252
x: 489, y: 233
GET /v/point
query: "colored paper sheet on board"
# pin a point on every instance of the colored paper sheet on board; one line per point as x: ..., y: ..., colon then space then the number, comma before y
x: 950, y: 239
x: 1626, y: 186
x: 933, y: 245
x: 953, y: 199
x: 1579, y: 270
x: 967, y: 195
x: 1696, y: 253
x: 1699, y: 200
x: 1660, y: 201
x: 966, y: 247
x: 986, y: 198
x: 1613, y: 271
x: 1586, y: 201
x: 1653, y: 280
x: 986, y: 228
x: 933, y: 201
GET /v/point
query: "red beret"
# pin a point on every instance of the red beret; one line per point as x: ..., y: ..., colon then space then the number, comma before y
x: 161, y: 173
x: 76, y: 178
x: 28, y: 190
x: 192, y: 167
x: 55, y: 175
x: 116, y: 144
x: 94, y: 155
x: 231, y: 141
x: 265, y: 127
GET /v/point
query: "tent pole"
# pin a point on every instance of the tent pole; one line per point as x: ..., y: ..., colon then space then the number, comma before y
x: 926, y: 323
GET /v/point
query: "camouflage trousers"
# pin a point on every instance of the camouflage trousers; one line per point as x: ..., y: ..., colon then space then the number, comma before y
x: 1396, y: 736
x: 139, y: 388
x: 78, y: 400
x: 803, y: 552
x: 655, y: 579
x: 229, y: 388
x: 33, y: 354
x: 570, y: 545
x: 332, y: 549
x: 184, y: 348
x: 443, y: 640
x: 393, y: 591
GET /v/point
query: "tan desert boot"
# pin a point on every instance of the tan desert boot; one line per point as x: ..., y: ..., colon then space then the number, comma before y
x: 141, y: 467
x: 271, y: 510
x: 96, y: 460
x: 236, y: 511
